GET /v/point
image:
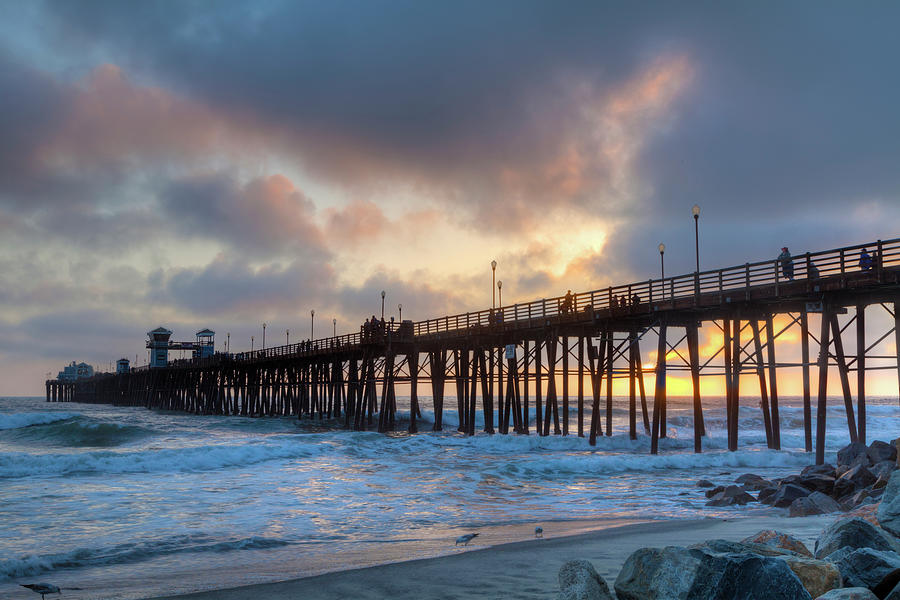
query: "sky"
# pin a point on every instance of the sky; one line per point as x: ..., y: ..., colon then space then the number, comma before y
x: 224, y: 164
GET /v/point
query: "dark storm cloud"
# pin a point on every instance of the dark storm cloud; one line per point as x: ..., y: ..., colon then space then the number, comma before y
x: 793, y: 105
x: 230, y: 283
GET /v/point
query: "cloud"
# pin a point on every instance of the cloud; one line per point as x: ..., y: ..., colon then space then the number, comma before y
x: 229, y: 284
x: 267, y: 215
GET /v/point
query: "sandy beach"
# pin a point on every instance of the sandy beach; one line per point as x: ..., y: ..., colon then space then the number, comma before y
x: 524, y: 570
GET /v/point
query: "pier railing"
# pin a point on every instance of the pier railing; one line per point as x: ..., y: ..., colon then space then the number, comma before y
x: 646, y: 296
x: 654, y: 293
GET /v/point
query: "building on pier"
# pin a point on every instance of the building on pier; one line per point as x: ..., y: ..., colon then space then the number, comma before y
x: 73, y: 372
x: 159, y: 347
x: 123, y: 365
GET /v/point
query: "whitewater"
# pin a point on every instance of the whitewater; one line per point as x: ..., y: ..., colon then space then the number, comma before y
x: 127, y: 503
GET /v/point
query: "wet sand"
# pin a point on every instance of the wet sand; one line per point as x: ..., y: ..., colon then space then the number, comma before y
x: 526, y: 569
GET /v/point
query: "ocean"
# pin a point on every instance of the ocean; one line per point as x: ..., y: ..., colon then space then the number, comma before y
x: 125, y: 502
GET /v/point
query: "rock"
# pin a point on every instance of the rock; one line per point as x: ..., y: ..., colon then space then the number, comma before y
x: 853, y: 480
x: 730, y: 496
x: 865, y: 512
x: 778, y: 539
x: 578, y: 580
x: 714, y: 491
x: 851, y: 452
x: 752, y: 482
x: 895, y: 593
x: 863, y: 496
x: 859, y: 461
x: 854, y: 593
x: 817, y: 576
x: 855, y: 533
x: 817, y: 483
x: 879, y: 451
x: 883, y: 468
x: 816, y: 503
x: 876, y: 570
x: 766, y: 493
x: 705, y: 483
x: 785, y: 495
x: 824, y: 469
x: 720, y: 546
x: 677, y: 573
x: 888, y: 512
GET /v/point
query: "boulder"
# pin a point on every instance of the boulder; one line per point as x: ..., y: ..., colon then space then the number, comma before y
x: 816, y: 503
x: 712, y: 492
x: 730, y: 496
x: 888, y: 512
x: 785, y: 495
x: 824, y: 469
x: 817, y: 576
x: 705, y: 483
x: 855, y: 533
x: 721, y: 546
x: 778, y: 539
x: 876, y: 570
x: 859, y: 461
x: 578, y: 580
x: 883, y: 468
x: 766, y: 493
x: 879, y: 451
x: 752, y: 482
x: 851, y: 452
x: 894, y: 594
x: 864, y: 496
x: 816, y: 483
x: 853, y: 593
x: 853, y: 480
x: 676, y: 573
x: 867, y: 512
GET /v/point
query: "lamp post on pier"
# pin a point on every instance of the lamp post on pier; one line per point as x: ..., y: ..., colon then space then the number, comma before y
x: 662, y: 269
x: 312, y: 324
x: 228, y: 342
x: 251, y: 343
x: 493, y: 277
x: 264, y: 337
x: 334, y: 327
x: 382, y: 304
x: 695, y: 210
x: 400, y: 308
x: 287, y: 337
x: 500, y: 292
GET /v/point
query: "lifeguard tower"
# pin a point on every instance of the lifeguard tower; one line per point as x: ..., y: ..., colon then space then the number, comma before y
x: 205, y: 346
x: 159, y: 347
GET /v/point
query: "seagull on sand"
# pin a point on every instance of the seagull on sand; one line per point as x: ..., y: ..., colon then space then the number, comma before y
x: 538, y: 532
x: 465, y: 539
x: 42, y: 588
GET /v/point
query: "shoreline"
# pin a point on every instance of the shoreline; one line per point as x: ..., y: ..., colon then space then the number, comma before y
x: 520, y: 569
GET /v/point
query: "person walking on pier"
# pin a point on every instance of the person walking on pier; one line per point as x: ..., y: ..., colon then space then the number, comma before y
x: 787, y: 265
x: 865, y: 260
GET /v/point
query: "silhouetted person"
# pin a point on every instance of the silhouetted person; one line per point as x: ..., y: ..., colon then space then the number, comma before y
x: 567, y: 303
x: 787, y: 265
x: 635, y: 299
x: 812, y: 271
x: 865, y: 260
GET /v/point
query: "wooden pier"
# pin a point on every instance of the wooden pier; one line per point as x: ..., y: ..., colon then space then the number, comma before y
x: 515, y: 364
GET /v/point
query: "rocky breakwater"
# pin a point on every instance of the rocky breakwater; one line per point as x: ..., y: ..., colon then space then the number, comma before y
x: 853, y: 559
x: 859, y: 479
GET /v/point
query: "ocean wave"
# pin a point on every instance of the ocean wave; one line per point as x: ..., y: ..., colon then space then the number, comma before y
x: 19, y: 420
x: 165, y: 460
x: 80, y: 432
x: 32, y: 565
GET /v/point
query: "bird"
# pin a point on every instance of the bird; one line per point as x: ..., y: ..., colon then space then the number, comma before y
x: 465, y: 539
x: 538, y: 532
x: 42, y: 588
